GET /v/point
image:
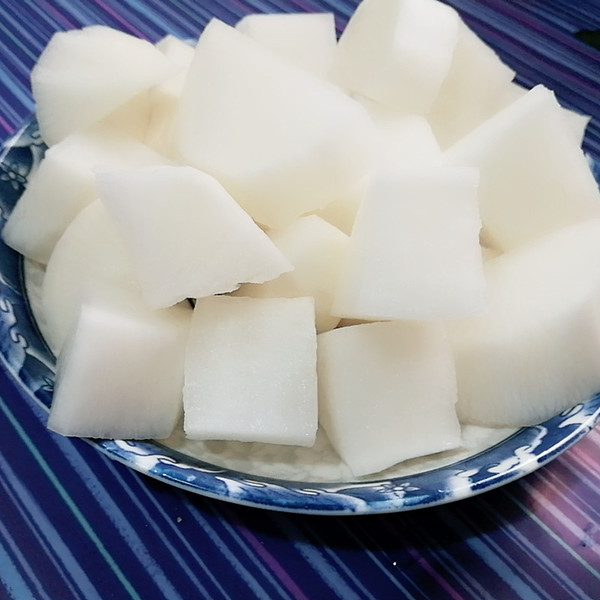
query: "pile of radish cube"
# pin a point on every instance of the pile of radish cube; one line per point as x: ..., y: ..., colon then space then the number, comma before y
x: 271, y: 229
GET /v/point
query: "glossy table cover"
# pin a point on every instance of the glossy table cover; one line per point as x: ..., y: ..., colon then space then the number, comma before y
x: 74, y: 524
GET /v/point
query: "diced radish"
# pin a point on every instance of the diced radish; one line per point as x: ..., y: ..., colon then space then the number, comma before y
x: 536, y: 351
x: 282, y: 141
x: 397, y: 52
x: 120, y: 374
x: 306, y: 39
x: 414, y: 250
x: 316, y: 249
x: 473, y: 91
x: 187, y: 236
x: 341, y: 212
x: 83, y: 75
x: 165, y: 95
x: 250, y: 371
x: 387, y: 393
x: 64, y: 184
x: 88, y: 262
x: 534, y: 177
x: 131, y: 119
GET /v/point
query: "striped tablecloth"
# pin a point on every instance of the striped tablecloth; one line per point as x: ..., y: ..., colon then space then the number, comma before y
x: 74, y: 524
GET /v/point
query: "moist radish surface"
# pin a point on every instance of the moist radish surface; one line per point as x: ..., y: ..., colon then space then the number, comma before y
x: 434, y: 224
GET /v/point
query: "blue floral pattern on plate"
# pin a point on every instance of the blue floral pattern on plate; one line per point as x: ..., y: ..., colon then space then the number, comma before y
x: 26, y: 358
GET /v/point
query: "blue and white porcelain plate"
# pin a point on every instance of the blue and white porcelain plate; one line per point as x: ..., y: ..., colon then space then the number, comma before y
x: 261, y: 475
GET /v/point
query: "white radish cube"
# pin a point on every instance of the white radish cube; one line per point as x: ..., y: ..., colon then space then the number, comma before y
x: 534, y: 177
x: 341, y: 212
x: 414, y: 250
x: 306, y: 39
x: 64, y: 184
x: 250, y: 371
x: 165, y: 95
x: 83, y: 75
x: 88, y: 262
x: 187, y: 236
x: 536, y: 351
x: 397, y: 52
x: 474, y: 89
x: 281, y: 141
x: 387, y: 393
x: 120, y: 375
x: 131, y: 119
x: 316, y: 249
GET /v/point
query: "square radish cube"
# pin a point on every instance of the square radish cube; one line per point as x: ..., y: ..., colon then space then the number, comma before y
x: 397, y: 52
x: 316, y: 249
x: 534, y: 177
x: 65, y: 183
x: 387, y: 393
x: 282, y: 141
x: 477, y: 86
x: 414, y: 250
x: 187, y: 236
x: 306, y: 39
x: 250, y: 371
x: 120, y: 374
x: 536, y: 350
x: 84, y: 75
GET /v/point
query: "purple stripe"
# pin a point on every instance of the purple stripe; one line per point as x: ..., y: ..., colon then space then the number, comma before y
x: 274, y: 566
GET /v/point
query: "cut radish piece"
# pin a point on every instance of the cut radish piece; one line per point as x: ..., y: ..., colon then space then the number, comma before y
x: 316, y: 249
x: 250, y: 371
x: 65, y: 183
x: 165, y: 95
x: 282, y: 141
x: 83, y: 75
x: 414, y: 250
x: 534, y: 177
x: 187, y: 236
x: 536, y: 351
x: 134, y: 392
x: 397, y: 52
x: 387, y: 393
x: 306, y: 39
x: 88, y: 262
x: 474, y: 90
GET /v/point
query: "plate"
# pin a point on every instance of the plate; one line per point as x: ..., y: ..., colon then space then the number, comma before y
x: 311, y: 481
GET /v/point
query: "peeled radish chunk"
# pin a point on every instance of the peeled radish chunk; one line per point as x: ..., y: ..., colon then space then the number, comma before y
x: 250, y: 371
x: 414, y: 250
x: 120, y: 374
x: 64, y: 184
x: 387, y: 393
x: 280, y: 140
x: 187, y: 236
x: 534, y: 177
x: 89, y: 261
x: 536, y: 351
x: 165, y: 95
x: 473, y: 91
x: 403, y: 140
x: 316, y: 249
x: 397, y: 52
x: 83, y: 75
x: 306, y: 39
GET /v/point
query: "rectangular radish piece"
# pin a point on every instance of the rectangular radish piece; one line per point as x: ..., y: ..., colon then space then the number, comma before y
x: 250, y: 372
x: 282, y: 141
x: 387, y: 393
x: 536, y: 350
x: 414, y: 250
x: 187, y: 236
x: 120, y: 374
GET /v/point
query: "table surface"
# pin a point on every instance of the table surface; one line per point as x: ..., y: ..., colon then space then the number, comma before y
x: 74, y: 524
